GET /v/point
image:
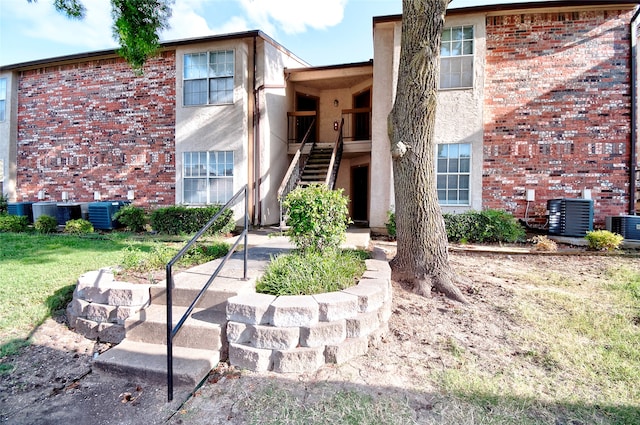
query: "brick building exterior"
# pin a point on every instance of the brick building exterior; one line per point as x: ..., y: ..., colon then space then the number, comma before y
x: 93, y: 126
x: 533, y: 96
x: 557, y: 108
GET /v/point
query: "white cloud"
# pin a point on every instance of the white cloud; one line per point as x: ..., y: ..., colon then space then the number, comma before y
x: 294, y: 16
x: 187, y: 21
x: 41, y: 21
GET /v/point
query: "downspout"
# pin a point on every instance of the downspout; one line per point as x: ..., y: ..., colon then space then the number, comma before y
x: 257, y: 210
x: 634, y: 115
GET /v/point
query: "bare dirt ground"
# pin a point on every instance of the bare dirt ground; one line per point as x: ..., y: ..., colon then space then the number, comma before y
x: 53, y: 381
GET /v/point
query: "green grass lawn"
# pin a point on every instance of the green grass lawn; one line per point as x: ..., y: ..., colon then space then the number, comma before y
x: 38, y: 274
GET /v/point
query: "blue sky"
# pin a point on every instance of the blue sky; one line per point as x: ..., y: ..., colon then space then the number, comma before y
x: 321, y: 32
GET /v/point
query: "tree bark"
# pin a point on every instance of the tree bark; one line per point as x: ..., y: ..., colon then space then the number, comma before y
x: 422, y: 256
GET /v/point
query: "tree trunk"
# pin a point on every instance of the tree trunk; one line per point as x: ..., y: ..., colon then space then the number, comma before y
x: 422, y: 257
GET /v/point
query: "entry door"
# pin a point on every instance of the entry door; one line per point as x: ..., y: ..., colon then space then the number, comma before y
x: 306, y: 103
x: 360, y: 194
x: 362, y: 120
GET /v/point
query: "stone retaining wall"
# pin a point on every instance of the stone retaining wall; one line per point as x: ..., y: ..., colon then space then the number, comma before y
x: 301, y: 333
x: 101, y: 304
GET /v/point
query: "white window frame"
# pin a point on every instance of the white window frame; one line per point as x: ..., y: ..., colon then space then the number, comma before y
x: 208, y: 78
x: 453, y: 174
x: 207, y: 177
x: 3, y: 99
x: 456, y: 57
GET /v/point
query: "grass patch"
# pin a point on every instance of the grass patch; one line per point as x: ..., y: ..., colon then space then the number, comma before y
x: 38, y: 274
x: 274, y: 405
x: 579, y: 356
x: 312, y: 272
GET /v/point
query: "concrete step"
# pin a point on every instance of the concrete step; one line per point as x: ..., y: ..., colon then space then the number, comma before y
x: 149, y: 362
x: 202, y: 330
x: 188, y: 284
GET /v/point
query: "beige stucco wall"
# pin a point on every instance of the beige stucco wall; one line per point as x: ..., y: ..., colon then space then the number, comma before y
x: 215, y: 127
x: 459, y: 117
x: 8, y: 138
x: 274, y: 105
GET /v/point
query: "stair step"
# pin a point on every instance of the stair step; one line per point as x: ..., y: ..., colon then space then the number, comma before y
x: 188, y: 284
x: 149, y: 362
x: 202, y: 330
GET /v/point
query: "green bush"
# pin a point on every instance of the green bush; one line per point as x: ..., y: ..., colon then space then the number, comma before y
x: 78, y: 227
x: 13, y: 223
x: 312, y: 272
x: 317, y: 217
x: 46, y: 224
x: 482, y: 227
x: 391, y: 224
x: 134, y: 218
x: 203, y: 253
x: 177, y: 220
x: 4, y: 203
x: 603, y: 240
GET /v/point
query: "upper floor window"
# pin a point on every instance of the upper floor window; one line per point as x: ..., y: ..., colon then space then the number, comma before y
x: 453, y: 173
x: 456, y: 57
x: 208, y: 78
x: 3, y: 99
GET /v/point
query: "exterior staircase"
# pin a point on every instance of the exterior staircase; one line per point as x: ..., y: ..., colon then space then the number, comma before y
x: 200, y: 344
x: 316, y: 167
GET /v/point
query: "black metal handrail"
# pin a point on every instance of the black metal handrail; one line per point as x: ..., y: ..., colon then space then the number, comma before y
x: 172, y: 331
x: 294, y: 171
x: 336, y: 156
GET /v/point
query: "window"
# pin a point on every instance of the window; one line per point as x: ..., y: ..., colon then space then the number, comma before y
x: 453, y: 173
x: 207, y: 177
x: 456, y: 58
x: 3, y: 99
x: 208, y: 78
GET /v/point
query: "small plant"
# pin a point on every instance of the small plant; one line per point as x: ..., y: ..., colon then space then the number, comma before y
x: 46, y: 224
x: 318, y: 218
x: 13, y: 223
x: 603, y: 240
x: 4, y: 203
x: 78, y: 227
x: 543, y: 243
x: 312, y: 272
x: 391, y: 224
x: 134, y: 218
x: 133, y: 258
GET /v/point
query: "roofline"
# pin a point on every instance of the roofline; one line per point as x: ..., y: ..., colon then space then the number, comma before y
x: 165, y: 45
x: 331, y: 67
x: 517, y: 6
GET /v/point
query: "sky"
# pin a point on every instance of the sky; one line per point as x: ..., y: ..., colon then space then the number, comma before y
x: 321, y: 32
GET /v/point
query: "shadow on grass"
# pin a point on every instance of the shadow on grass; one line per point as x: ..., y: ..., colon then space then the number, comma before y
x: 56, y: 304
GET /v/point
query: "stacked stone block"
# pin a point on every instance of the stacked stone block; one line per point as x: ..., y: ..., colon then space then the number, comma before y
x: 301, y: 333
x: 101, y: 305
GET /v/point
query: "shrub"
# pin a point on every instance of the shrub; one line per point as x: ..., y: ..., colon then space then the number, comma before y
x: 4, y: 203
x: 176, y: 220
x: 133, y: 218
x: 483, y: 226
x: 311, y: 272
x: 133, y: 258
x: 603, y: 240
x: 78, y: 227
x: 543, y: 243
x: 203, y: 253
x: 317, y: 217
x: 46, y: 224
x: 391, y: 224
x: 13, y: 223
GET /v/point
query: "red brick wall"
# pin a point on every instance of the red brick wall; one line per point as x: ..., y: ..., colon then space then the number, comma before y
x: 95, y: 126
x: 557, y: 110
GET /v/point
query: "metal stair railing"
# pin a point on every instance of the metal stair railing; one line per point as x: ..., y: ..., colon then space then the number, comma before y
x: 294, y: 171
x: 336, y: 156
x: 172, y: 331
